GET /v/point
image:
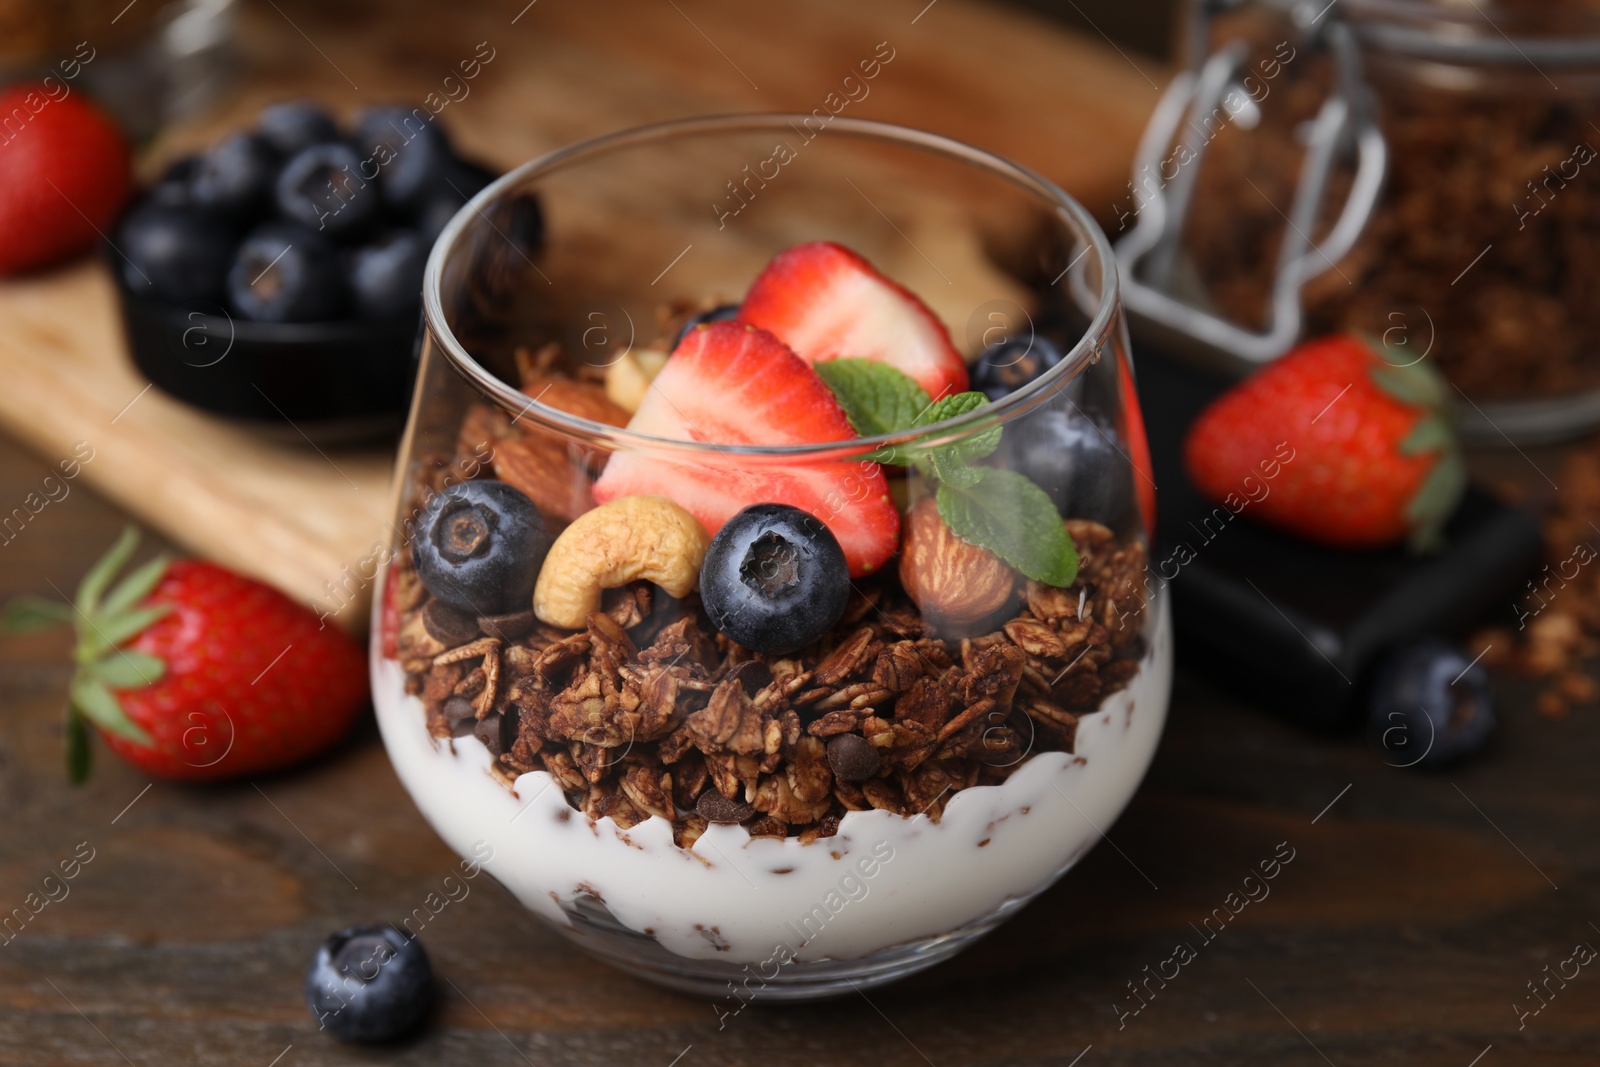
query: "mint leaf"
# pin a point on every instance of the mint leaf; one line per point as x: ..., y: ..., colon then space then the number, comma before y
x: 1013, y: 518
x: 951, y: 463
x: 876, y: 397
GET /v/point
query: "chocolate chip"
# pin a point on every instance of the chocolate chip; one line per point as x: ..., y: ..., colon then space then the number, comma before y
x: 852, y: 757
x: 460, y: 714
x: 512, y: 627
x: 448, y: 626
x: 488, y: 732
x: 714, y: 807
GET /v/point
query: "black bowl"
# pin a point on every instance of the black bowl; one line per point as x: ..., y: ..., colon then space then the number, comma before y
x: 326, y: 382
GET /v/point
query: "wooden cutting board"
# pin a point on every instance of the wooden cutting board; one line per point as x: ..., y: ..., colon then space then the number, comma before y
x: 558, y: 72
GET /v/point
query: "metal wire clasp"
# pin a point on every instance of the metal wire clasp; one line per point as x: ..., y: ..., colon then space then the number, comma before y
x: 1148, y: 255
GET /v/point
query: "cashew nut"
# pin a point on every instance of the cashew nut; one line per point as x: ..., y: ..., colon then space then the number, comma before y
x: 629, y: 378
x: 627, y: 539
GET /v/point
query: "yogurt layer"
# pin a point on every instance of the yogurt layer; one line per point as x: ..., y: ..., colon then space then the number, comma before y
x: 883, y: 880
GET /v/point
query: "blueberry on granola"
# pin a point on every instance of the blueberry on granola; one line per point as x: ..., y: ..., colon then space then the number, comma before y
x: 369, y: 983
x: 1430, y: 706
x: 478, y: 548
x: 1008, y: 365
x: 1076, y: 458
x: 774, y: 579
x: 721, y: 313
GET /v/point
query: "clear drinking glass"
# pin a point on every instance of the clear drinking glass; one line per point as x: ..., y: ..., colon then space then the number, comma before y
x: 1010, y: 720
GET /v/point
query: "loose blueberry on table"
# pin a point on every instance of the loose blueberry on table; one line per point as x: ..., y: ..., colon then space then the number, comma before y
x: 1430, y: 705
x: 369, y: 984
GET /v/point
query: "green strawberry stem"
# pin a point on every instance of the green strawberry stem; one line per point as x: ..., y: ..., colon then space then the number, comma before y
x: 1416, y: 383
x: 105, y: 618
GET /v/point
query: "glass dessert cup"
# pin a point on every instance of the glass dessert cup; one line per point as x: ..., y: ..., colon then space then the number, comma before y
x: 667, y: 799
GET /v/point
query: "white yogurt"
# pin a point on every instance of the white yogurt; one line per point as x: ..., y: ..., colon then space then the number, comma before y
x: 883, y: 880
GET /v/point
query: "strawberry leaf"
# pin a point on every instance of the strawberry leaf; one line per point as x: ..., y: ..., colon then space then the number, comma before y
x: 1428, y: 435
x: 128, y: 668
x: 112, y: 632
x: 99, y: 577
x: 97, y: 705
x: 1013, y: 518
x: 877, y: 398
x: 135, y: 587
x: 29, y: 614
x: 1415, y: 383
x: 1435, y: 502
x: 75, y: 746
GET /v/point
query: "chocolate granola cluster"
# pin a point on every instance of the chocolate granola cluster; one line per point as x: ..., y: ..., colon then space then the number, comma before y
x: 648, y: 710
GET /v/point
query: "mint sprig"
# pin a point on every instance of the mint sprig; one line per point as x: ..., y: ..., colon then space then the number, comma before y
x: 877, y: 398
x: 1000, y: 510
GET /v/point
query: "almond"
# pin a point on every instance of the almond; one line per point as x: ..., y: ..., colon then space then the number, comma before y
x: 953, y: 582
x: 540, y: 467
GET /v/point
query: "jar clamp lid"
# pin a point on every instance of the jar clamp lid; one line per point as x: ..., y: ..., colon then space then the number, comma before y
x: 1209, y: 92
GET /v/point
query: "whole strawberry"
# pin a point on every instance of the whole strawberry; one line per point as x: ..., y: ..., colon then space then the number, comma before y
x: 192, y: 672
x: 1342, y: 442
x: 64, y: 173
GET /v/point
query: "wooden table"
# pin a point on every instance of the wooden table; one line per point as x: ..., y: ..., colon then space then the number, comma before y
x: 1403, y: 931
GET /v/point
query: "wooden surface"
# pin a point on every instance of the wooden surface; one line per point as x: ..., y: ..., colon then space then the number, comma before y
x: 1403, y: 931
x: 560, y: 72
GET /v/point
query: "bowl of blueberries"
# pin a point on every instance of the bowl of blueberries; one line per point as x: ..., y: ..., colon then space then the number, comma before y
x: 275, y: 278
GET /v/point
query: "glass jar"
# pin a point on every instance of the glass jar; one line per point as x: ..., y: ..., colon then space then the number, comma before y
x: 669, y: 800
x: 1482, y: 246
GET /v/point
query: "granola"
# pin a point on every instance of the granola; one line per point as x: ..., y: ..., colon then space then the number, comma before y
x: 648, y: 711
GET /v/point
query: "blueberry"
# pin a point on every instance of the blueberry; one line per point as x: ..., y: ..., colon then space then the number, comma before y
x: 324, y: 189
x: 369, y: 983
x: 235, y: 176
x: 1429, y: 705
x: 287, y: 273
x: 431, y: 220
x: 774, y: 579
x: 1074, y: 457
x: 295, y: 125
x: 385, y: 278
x: 422, y: 169
x: 478, y: 547
x: 723, y: 313
x: 383, y: 129
x: 1006, y: 366
x: 175, y: 187
x: 175, y: 254
x: 413, y: 155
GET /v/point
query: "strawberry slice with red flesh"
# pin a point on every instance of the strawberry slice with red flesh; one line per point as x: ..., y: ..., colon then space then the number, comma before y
x: 728, y: 383
x: 826, y: 302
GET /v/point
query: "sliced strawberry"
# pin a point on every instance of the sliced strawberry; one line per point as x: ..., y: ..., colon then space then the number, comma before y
x: 824, y: 301
x: 731, y: 384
